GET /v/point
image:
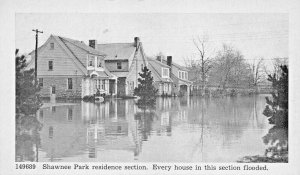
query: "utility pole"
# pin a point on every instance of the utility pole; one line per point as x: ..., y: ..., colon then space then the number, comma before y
x: 35, y: 60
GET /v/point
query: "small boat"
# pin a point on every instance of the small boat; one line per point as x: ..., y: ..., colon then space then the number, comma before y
x: 99, y: 99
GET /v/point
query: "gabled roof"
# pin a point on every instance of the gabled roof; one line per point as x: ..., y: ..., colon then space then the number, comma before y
x: 76, y: 50
x: 117, y: 51
x: 156, y: 66
x: 83, y: 46
x: 176, y: 65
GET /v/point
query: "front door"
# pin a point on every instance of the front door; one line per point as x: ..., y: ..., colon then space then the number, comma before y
x: 52, y: 93
x: 112, y: 87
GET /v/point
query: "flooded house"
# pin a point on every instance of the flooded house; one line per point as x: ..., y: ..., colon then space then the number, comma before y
x: 161, y: 76
x: 125, y: 61
x: 68, y: 68
x: 179, y: 76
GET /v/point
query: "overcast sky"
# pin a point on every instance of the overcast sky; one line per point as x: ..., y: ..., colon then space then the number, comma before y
x: 255, y: 35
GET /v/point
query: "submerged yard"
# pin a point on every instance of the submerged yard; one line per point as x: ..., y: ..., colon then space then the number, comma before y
x: 188, y: 129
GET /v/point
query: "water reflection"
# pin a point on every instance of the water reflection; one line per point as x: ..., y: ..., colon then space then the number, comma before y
x: 177, y: 129
x: 27, y: 138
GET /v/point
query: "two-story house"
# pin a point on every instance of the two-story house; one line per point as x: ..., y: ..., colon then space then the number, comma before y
x: 125, y: 61
x: 179, y: 75
x: 161, y: 76
x: 69, y: 68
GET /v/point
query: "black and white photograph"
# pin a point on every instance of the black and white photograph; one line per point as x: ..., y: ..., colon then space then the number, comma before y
x: 152, y: 87
x: 149, y: 87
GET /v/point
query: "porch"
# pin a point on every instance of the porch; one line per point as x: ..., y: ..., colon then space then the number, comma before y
x: 104, y: 86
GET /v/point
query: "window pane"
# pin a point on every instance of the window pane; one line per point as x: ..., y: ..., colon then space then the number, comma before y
x: 91, y: 60
x: 70, y: 83
x: 103, y: 85
x: 50, y: 64
x: 119, y: 65
x: 53, y: 89
x: 99, y: 62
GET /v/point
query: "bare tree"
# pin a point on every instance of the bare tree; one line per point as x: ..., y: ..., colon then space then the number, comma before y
x: 203, y: 63
x: 257, y: 73
x: 229, y: 68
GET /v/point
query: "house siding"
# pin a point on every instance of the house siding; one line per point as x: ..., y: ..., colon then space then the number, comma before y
x: 78, y: 52
x: 62, y: 63
x: 163, y: 88
x: 135, y: 69
x: 61, y: 88
x: 112, y: 65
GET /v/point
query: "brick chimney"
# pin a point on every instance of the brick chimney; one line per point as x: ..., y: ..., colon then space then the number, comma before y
x: 169, y: 63
x: 92, y: 43
x: 136, y: 41
x: 159, y: 58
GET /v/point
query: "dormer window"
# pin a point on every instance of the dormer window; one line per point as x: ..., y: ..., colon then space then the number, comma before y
x: 165, y: 72
x: 91, y: 60
x: 51, y: 46
x: 119, y: 65
x: 99, y: 64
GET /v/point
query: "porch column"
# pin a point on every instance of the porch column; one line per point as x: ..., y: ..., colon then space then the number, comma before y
x: 107, y: 87
x: 116, y: 86
x: 126, y: 86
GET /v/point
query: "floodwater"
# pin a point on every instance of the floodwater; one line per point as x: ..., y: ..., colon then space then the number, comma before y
x: 187, y: 129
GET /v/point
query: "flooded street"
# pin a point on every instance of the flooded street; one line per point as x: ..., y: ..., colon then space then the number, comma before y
x: 187, y: 129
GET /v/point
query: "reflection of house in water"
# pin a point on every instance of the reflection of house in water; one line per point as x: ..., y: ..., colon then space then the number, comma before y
x: 115, y: 130
x: 92, y: 131
x: 84, y: 130
x: 62, y: 134
x: 172, y: 111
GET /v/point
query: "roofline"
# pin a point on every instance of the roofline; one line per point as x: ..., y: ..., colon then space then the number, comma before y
x: 162, y: 64
x: 177, y: 65
x: 112, y: 43
x: 99, y: 53
x: 71, y: 54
